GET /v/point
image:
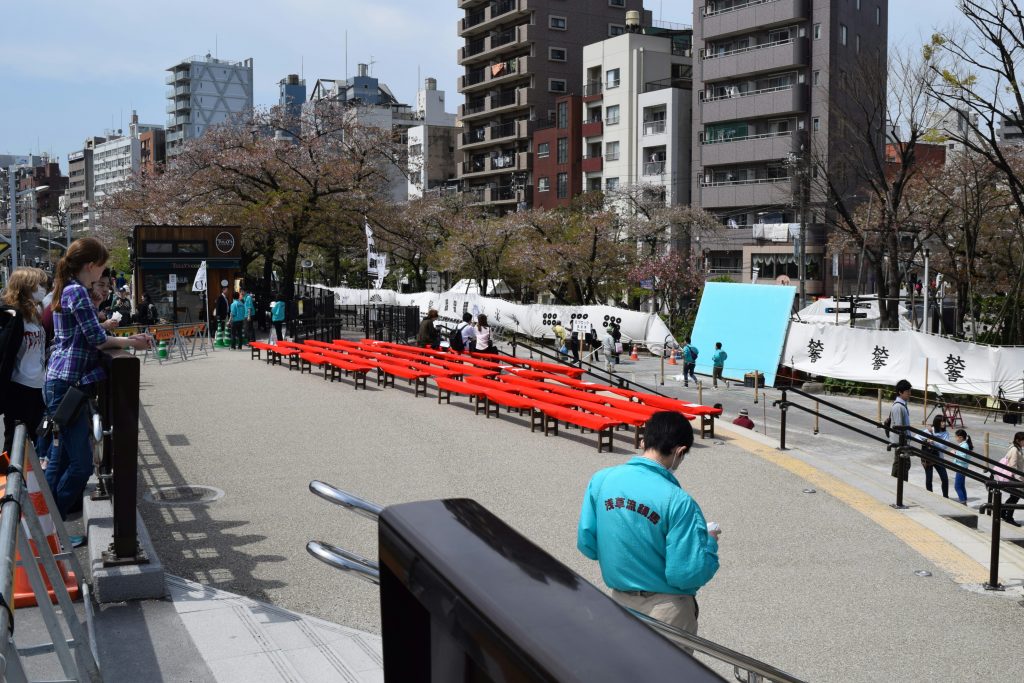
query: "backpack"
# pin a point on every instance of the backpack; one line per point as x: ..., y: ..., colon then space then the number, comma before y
x: 455, y: 339
x: 12, y: 330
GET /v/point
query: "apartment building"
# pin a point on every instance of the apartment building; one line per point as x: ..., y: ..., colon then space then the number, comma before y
x: 637, y: 107
x: 558, y: 155
x: 431, y: 143
x: 117, y: 159
x: 81, y: 184
x: 203, y: 91
x: 769, y: 77
x: 519, y: 57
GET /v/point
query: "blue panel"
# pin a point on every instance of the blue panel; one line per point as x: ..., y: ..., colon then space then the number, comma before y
x: 751, y: 321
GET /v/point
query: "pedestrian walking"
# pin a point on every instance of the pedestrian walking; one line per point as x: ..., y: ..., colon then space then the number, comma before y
x: 718, y: 365
x: 1014, y: 458
x: 899, y: 418
x: 74, y: 370
x: 938, y: 430
x: 250, y: 315
x: 428, y: 335
x: 962, y: 458
x: 277, y: 310
x: 650, y: 537
x: 690, y: 353
x: 608, y: 346
x: 22, y: 352
x: 560, y: 337
x: 616, y: 333
x: 237, y: 321
x: 483, y: 342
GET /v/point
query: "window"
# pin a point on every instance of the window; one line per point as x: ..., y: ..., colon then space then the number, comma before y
x: 557, y: 23
x: 816, y: 123
x: 557, y: 54
x: 563, y: 114
x: 543, y: 184
x: 416, y: 150
x: 616, y: 30
x: 622, y: 3
x: 611, y: 184
x: 556, y: 85
x: 612, y: 115
x: 611, y: 78
x: 842, y: 34
x: 543, y: 150
x: 815, y: 77
x: 817, y: 31
x: 611, y: 151
x: 562, y: 188
x: 878, y: 16
x: 190, y: 248
x: 156, y: 248
x: 563, y: 151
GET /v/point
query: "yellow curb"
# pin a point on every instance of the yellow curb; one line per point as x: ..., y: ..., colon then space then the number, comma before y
x: 926, y: 542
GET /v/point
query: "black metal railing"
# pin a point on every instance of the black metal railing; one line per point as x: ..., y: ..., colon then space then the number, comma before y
x: 118, y: 471
x: 397, y: 324
x: 910, y: 443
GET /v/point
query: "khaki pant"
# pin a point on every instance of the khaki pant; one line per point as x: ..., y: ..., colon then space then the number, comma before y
x: 679, y: 611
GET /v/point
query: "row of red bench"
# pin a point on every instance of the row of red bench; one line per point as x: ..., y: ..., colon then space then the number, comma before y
x: 550, y: 392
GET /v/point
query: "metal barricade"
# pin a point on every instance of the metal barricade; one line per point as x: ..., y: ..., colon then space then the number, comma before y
x: 19, y: 523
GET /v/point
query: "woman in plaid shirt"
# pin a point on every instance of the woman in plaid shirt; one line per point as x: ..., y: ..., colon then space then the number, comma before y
x: 74, y: 362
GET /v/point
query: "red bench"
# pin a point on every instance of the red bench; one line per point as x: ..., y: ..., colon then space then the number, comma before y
x: 446, y: 387
x: 387, y: 370
x: 603, y: 426
x: 307, y: 360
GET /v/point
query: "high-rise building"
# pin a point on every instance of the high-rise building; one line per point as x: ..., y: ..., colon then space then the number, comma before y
x: 519, y: 57
x: 770, y: 78
x: 637, y: 110
x: 80, y: 184
x: 117, y: 159
x: 558, y: 161
x: 204, y: 91
x: 293, y: 94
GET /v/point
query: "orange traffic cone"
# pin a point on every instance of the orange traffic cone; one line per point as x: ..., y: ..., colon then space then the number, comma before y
x: 633, y: 354
x: 23, y: 594
x: 672, y: 359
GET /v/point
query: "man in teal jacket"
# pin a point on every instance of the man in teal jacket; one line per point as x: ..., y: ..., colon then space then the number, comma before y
x: 649, y: 536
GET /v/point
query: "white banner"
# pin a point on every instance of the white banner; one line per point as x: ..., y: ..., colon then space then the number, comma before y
x: 886, y: 356
x: 534, y: 320
x: 199, y: 284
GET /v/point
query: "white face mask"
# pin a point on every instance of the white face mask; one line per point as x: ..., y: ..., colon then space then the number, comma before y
x: 677, y: 462
x: 39, y: 295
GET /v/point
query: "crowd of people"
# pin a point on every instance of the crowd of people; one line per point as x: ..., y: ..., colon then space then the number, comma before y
x: 49, y: 360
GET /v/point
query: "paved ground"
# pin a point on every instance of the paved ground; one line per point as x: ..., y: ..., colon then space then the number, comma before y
x: 808, y: 583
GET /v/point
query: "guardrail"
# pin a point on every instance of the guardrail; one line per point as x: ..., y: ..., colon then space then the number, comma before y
x: 909, y: 444
x: 503, y: 586
x: 396, y: 324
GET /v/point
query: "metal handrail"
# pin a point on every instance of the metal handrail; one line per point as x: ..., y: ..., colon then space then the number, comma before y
x: 740, y: 661
x: 346, y: 561
x: 363, y: 508
x: 10, y: 518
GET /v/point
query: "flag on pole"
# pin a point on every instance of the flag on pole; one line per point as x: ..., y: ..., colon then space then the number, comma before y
x: 376, y: 263
x: 199, y: 284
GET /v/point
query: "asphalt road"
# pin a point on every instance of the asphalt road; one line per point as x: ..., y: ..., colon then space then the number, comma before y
x: 806, y: 584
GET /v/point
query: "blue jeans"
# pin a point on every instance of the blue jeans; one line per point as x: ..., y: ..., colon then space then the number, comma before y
x: 70, y: 458
x: 689, y: 371
x: 960, y: 486
x: 943, y: 478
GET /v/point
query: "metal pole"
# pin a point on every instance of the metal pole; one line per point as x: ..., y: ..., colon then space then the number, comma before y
x: 993, y: 567
x: 986, y: 444
x: 924, y: 419
x: 879, y: 418
x: 12, y: 201
x: 10, y: 518
x: 782, y: 422
x: 927, y: 284
x: 755, y: 386
x: 899, y: 470
x: 764, y: 412
x: 817, y: 407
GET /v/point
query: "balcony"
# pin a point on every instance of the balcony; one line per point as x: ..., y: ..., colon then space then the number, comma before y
x: 180, y: 75
x: 489, y: 47
x: 593, y: 164
x: 592, y: 128
x: 492, y: 194
x: 592, y: 90
x: 654, y: 168
x: 789, y: 99
x: 758, y: 192
x: 502, y: 162
x: 654, y: 127
x: 493, y: 75
x: 490, y: 17
x: 661, y: 84
x: 747, y: 149
x: 489, y: 135
x: 469, y: 4
x: 751, y: 16
x: 750, y: 60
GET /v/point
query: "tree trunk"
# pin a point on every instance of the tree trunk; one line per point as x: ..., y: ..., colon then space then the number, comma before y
x: 291, y: 257
x: 268, y: 266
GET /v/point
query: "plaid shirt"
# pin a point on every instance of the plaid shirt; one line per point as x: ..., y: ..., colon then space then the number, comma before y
x: 77, y: 334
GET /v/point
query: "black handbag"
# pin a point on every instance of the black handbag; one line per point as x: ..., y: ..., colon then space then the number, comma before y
x: 70, y: 406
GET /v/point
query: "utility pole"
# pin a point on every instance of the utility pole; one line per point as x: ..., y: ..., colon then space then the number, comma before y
x: 927, y: 284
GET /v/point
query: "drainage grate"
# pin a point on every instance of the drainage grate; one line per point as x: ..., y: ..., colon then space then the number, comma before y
x: 183, y: 495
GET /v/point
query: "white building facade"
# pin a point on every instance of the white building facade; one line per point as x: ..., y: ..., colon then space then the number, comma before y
x: 431, y: 145
x: 204, y: 91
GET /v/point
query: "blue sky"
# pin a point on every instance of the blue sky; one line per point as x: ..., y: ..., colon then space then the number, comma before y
x: 74, y: 69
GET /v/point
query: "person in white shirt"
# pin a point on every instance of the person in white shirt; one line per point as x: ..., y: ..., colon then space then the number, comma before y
x: 23, y: 370
x: 483, y: 336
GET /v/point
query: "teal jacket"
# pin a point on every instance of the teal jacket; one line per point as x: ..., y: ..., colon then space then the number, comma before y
x: 647, y: 533
x: 718, y: 358
x: 250, y: 307
x: 237, y: 311
x: 690, y: 353
x: 277, y: 312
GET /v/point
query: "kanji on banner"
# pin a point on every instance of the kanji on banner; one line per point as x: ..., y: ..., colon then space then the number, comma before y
x: 887, y: 356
